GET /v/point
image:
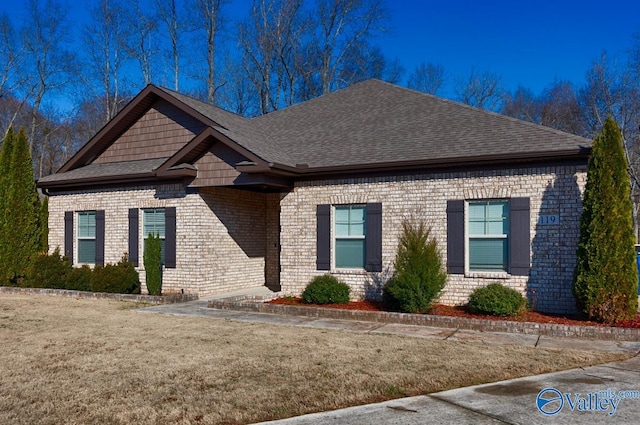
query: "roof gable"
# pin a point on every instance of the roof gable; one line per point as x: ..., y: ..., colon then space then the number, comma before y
x: 159, y: 133
x: 130, y: 115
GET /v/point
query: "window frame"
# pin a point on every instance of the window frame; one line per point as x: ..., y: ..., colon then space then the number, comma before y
x: 487, y: 236
x: 78, y: 238
x: 335, y: 237
x: 163, y: 236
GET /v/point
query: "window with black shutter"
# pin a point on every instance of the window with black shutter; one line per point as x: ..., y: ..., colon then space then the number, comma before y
x: 357, y: 240
x: 493, y: 237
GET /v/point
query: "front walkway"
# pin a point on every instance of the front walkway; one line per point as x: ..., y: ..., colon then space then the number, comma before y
x: 199, y: 308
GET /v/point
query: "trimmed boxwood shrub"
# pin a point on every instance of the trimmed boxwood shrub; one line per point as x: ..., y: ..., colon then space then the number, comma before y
x: 56, y: 272
x: 48, y: 271
x: 326, y: 289
x: 79, y: 279
x: 120, y: 278
x: 419, y: 277
x: 497, y: 300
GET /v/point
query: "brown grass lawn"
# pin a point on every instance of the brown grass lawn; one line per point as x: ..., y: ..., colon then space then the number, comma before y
x: 68, y: 361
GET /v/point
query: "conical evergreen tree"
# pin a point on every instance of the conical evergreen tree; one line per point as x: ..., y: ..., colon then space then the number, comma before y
x: 21, y: 233
x: 44, y: 225
x: 5, y: 167
x: 5, y: 179
x: 606, y: 275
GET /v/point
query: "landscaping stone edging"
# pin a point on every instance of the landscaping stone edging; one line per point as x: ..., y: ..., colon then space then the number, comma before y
x: 137, y: 298
x: 526, y: 328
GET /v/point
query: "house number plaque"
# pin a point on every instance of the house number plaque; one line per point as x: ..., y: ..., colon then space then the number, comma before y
x: 548, y: 219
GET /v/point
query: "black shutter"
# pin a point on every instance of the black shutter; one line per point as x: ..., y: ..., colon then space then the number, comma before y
x: 323, y: 235
x: 519, y: 237
x: 134, y: 243
x: 68, y: 235
x: 170, y: 238
x: 99, y: 261
x: 373, y: 247
x: 455, y: 237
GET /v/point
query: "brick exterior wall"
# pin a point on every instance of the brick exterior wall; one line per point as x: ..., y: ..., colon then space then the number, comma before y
x: 553, y: 190
x: 231, y: 239
x: 221, y: 233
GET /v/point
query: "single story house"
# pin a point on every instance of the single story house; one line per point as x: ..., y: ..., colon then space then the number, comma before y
x: 323, y: 187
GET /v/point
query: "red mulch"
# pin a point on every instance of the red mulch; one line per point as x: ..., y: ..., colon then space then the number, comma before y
x: 353, y: 305
x: 462, y: 311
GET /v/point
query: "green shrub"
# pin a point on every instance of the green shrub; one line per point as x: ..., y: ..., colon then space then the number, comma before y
x: 120, y: 278
x: 419, y: 277
x: 48, y: 271
x: 496, y: 300
x: 153, y: 264
x: 605, y: 282
x: 79, y: 279
x: 326, y: 289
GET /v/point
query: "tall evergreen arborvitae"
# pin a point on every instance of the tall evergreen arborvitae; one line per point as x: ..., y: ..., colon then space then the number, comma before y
x: 20, y: 238
x: 5, y: 167
x: 44, y: 225
x: 153, y: 264
x: 606, y: 276
x: 5, y: 179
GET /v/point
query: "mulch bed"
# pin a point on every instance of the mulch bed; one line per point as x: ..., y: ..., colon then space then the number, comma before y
x: 462, y: 311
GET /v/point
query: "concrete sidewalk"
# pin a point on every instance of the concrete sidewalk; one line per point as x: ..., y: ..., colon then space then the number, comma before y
x: 579, y: 395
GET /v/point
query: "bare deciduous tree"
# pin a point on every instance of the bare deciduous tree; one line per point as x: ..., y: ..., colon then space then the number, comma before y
x: 522, y: 104
x: 207, y: 19
x: 11, y: 59
x: 270, y: 42
x: 482, y: 90
x: 103, y: 58
x: 139, y: 38
x: 342, y: 27
x: 427, y: 78
x: 175, y: 28
x: 50, y: 65
x: 560, y: 108
x: 613, y: 89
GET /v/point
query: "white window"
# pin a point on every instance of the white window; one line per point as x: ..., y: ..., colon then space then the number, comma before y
x: 86, y: 233
x: 349, y: 231
x: 488, y: 235
x: 153, y: 222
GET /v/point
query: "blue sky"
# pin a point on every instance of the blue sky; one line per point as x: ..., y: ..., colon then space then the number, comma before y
x: 529, y: 43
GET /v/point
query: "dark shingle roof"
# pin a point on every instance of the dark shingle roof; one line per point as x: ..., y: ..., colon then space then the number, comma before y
x: 92, y: 171
x: 240, y: 129
x: 375, y: 122
x: 370, y: 125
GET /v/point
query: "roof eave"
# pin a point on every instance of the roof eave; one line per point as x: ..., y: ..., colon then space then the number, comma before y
x: 150, y: 177
x: 581, y: 153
